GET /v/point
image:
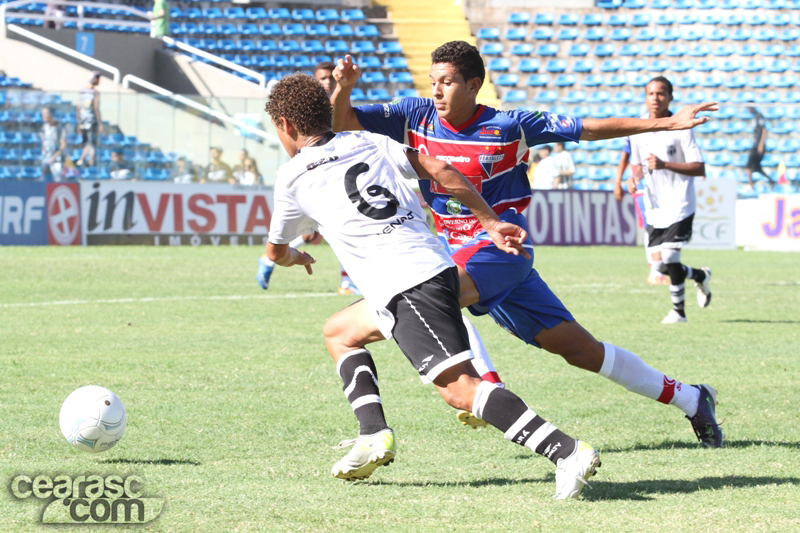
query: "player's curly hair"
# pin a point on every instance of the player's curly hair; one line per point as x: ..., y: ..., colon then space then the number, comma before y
x: 303, y: 101
x: 462, y: 55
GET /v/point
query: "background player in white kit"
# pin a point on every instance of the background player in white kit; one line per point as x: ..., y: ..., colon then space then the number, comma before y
x: 355, y: 188
x: 671, y: 160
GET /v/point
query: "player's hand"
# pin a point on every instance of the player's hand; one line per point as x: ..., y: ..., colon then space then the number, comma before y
x: 346, y: 72
x: 687, y: 117
x: 632, y: 183
x: 618, y: 192
x: 509, y: 238
x: 654, y: 163
x: 303, y: 259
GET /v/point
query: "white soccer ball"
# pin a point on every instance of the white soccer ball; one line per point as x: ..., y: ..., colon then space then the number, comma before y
x: 92, y: 419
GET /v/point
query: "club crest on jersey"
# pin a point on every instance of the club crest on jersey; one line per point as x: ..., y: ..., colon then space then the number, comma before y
x: 453, y: 206
x: 489, y: 156
x: 671, y: 150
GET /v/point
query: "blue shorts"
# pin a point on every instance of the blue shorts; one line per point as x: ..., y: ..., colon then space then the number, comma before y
x: 511, y: 290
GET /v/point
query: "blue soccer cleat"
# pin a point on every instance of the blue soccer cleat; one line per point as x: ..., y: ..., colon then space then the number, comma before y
x: 704, y: 423
x: 265, y: 267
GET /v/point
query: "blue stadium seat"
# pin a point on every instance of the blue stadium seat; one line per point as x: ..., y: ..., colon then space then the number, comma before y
x: 546, y: 97
x: 565, y: 80
x: 289, y: 46
x: 371, y: 62
x: 682, y: 4
x: 659, y: 4
x: 705, y: 66
x: 677, y: 50
x: 294, y: 29
x: 604, y: 50
x: 760, y: 82
x: 616, y: 80
x: 401, y: 77
x: 710, y: 19
x: 620, y: 34
x: 538, y: 34
x: 518, y: 34
x: 754, y: 65
x: 490, y: 49
x: 529, y: 65
x: 792, y: 51
x: 719, y: 159
x: 556, y: 65
x: 580, y: 50
x: 623, y: 97
x: 630, y: 50
x: 756, y: 19
x: 226, y: 44
x: 592, y: 19
x: 610, y: 65
x: 389, y: 47
x: 235, y: 12
x: 243, y: 60
x: 635, y: 65
x: 317, y: 30
x: 567, y: 34
x: 654, y: 50
x: 593, y: 80
x: 583, y: 66
x: 507, y: 80
x: 270, y: 29
x: 767, y: 97
x: 488, y: 34
x: 790, y: 35
x: 664, y: 19
x: 261, y: 61
x: 733, y: 19
x: 267, y: 45
x: 594, y: 34
x: 729, y: 65
x: 547, y: 50
x: 645, y: 34
x: 568, y: 19
x: 765, y: 34
x: 406, y: 93
x: 736, y: 82
x: 337, y: 46
x: 302, y: 14
x: 257, y: 13
x: 519, y: 18
x: 522, y: 49
x: 717, y: 34
x: 341, y: 30
x: 377, y: 95
x: 314, y: 46
x: 367, y: 30
x: 617, y: 19
x: 327, y: 15
x: 682, y: 65
x: 670, y: 34
x: 780, y: 19
x: 773, y: 113
x: 573, y: 97
x: 773, y: 50
x: 728, y: 4
x: 721, y: 96
x: 713, y: 81
x: 724, y: 50
x: 705, y: 4
x: 515, y: 96
x: 543, y: 19
x: 353, y: 15
x: 537, y: 80
x: 279, y: 13
x: 358, y: 94
x: 499, y: 64
x: 376, y: 76
x: 784, y: 82
x: 246, y: 45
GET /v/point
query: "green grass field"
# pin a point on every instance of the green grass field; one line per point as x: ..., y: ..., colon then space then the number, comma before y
x: 234, y: 405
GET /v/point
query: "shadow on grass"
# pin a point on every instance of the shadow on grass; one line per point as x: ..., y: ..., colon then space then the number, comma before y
x: 500, y: 481
x: 751, y: 321
x: 161, y: 462
x: 683, y: 445
x: 647, y: 489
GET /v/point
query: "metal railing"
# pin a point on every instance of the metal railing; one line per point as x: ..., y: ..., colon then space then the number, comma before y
x: 188, y: 102
x: 80, y: 18
x: 262, y: 80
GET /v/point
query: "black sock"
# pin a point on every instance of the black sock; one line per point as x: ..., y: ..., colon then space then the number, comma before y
x: 695, y: 274
x: 360, y: 377
x: 507, y: 412
x: 677, y: 277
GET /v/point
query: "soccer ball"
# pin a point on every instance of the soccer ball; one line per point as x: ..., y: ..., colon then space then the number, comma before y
x: 92, y: 419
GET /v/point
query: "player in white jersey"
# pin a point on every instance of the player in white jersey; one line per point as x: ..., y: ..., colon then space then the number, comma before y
x: 671, y: 160
x: 355, y: 189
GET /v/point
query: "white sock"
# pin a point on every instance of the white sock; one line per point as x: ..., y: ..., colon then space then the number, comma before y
x: 266, y: 260
x: 482, y: 363
x: 627, y: 369
x: 297, y: 242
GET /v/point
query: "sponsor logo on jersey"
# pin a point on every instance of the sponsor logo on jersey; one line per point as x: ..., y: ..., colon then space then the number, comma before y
x: 489, y: 156
x: 397, y: 222
x: 315, y: 164
x: 386, y: 112
x: 490, y: 132
x: 425, y: 124
x: 453, y: 206
x: 454, y: 158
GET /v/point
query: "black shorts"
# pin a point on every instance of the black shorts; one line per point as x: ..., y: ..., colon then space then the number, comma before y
x: 89, y: 136
x: 754, y: 159
x: 674, y: 236
x: 428, y: 326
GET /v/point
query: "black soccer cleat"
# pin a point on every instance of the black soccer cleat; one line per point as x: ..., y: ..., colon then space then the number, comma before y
x: 704, y: 422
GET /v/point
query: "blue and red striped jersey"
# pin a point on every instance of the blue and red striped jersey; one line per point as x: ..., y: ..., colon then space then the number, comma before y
x: 490, y: 149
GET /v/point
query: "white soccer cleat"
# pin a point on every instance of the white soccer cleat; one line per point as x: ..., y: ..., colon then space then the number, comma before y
x: 368, y: 453
x: 468, y: 419
x: 704, y: 289
x: 673, y: 317
x: 573, y: 472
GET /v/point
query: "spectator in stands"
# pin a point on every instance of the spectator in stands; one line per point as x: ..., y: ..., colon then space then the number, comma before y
x: 545, y: 176
x: 54, y: 143
x: 183, y: 172
x: 89, y: 122
x: 248, y: 174
x: 324, y: 73
x: 56, y: 13
x: 119, y: 168
x: 242, y: 156
x: 565, y: 167
x: 217, y: 171
x: 758, y: 149
x: 160, y: 19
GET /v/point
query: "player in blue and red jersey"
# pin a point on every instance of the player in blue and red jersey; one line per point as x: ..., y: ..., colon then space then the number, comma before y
x: 490, y: 147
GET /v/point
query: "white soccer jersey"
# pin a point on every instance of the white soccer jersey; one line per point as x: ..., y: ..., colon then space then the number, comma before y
x: 356, y: 190
x: 669, y: 196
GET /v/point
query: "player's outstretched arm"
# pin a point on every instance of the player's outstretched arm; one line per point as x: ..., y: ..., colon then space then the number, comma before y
x: 507, y: 237
x: 595, y: 129
x: 284, y: 255
x: 346, y: 75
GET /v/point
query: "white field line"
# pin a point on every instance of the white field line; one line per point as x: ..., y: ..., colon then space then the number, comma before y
x: 290, y: 296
